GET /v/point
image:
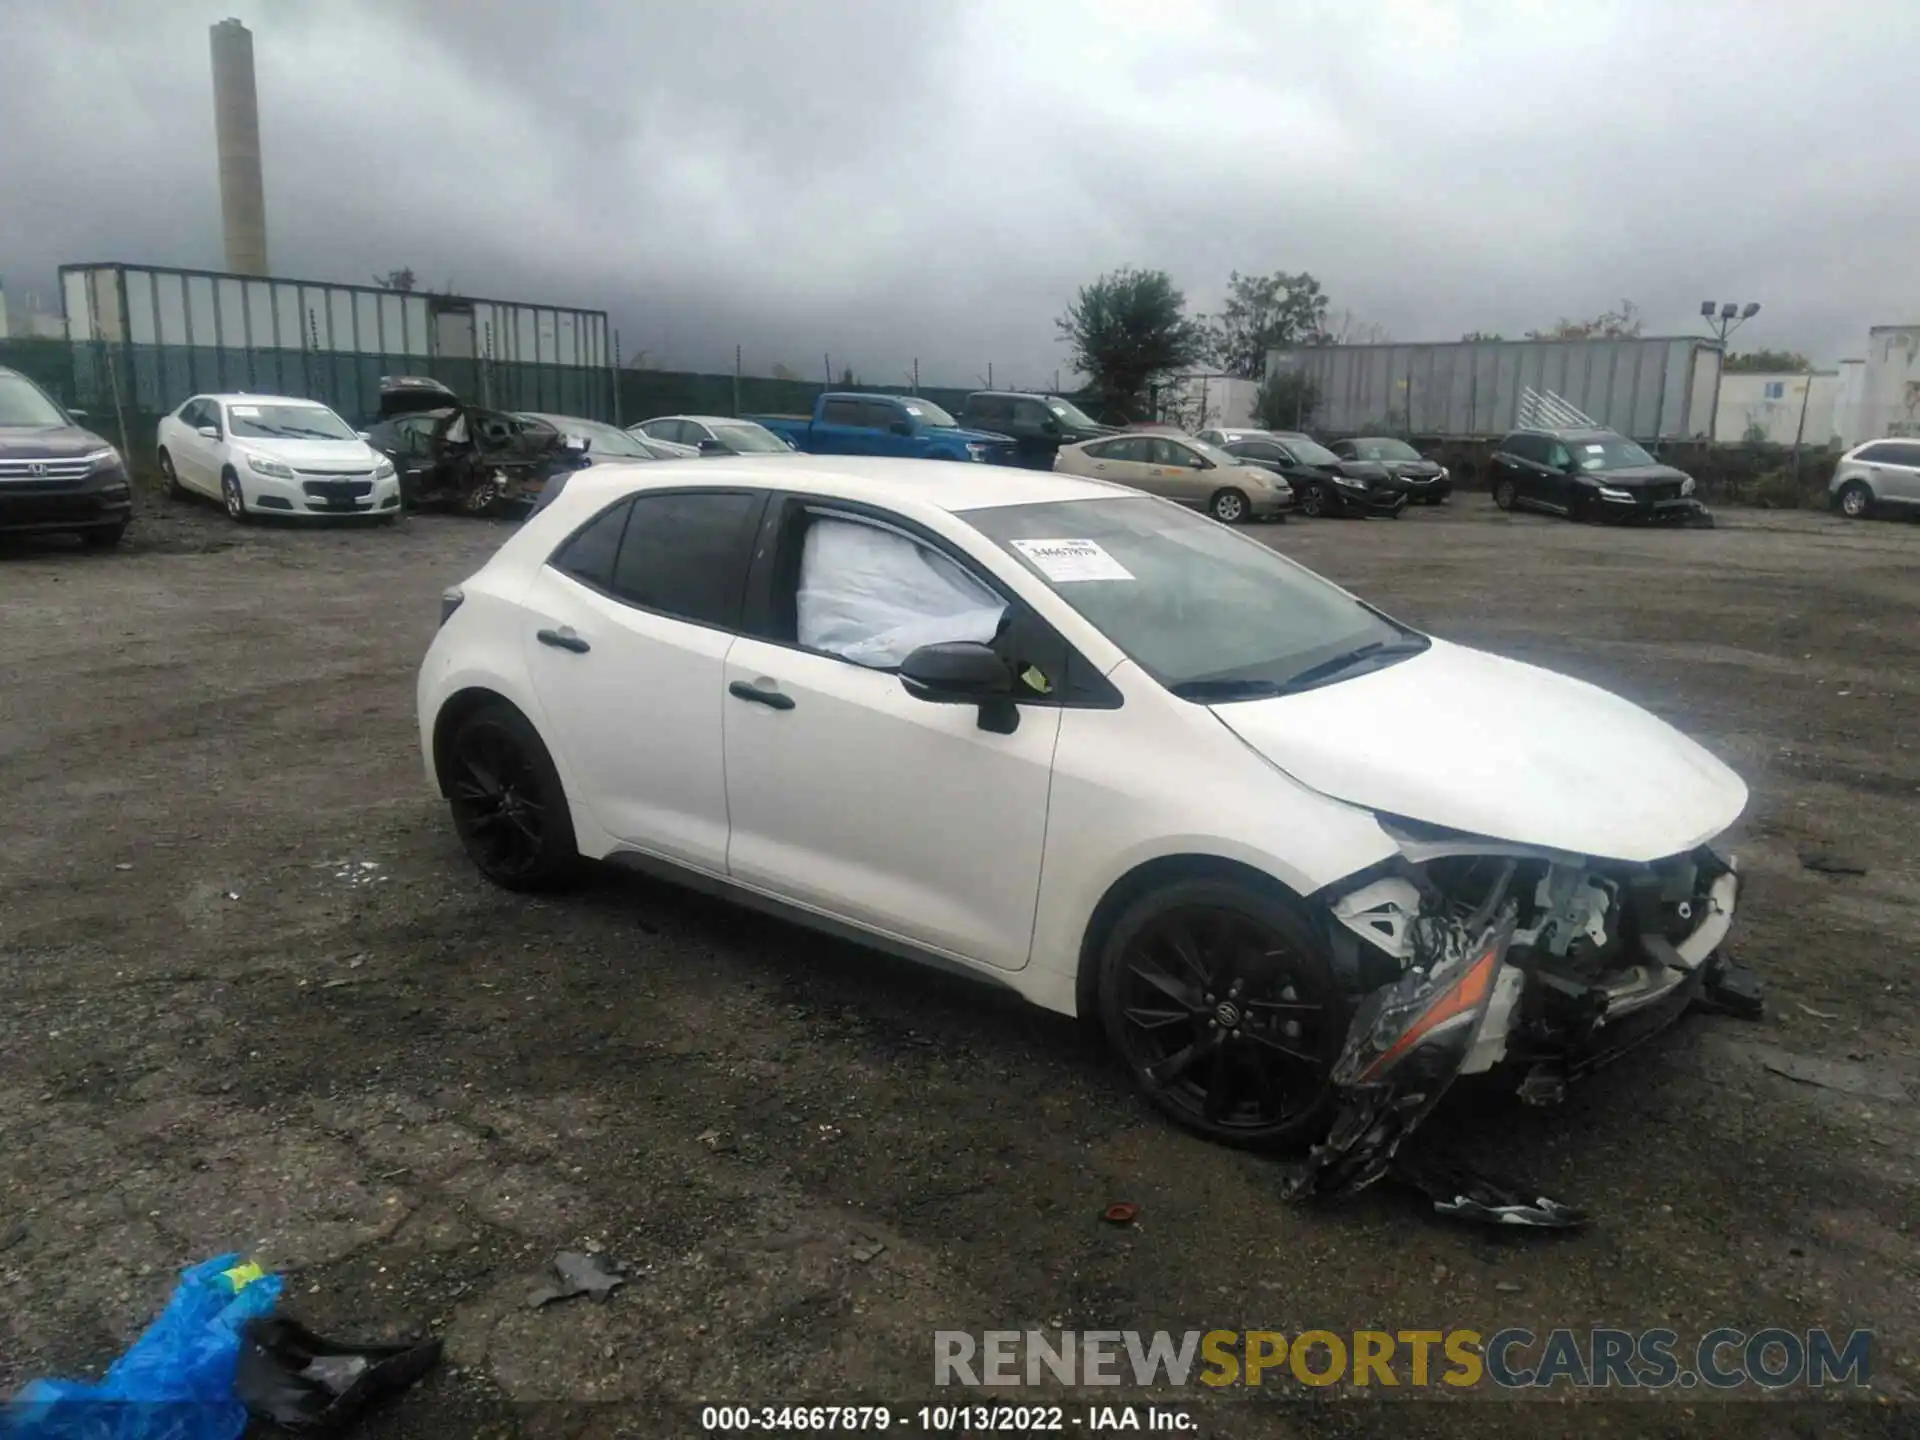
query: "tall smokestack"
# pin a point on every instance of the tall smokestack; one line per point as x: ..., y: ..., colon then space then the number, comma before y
x: 236, y: 126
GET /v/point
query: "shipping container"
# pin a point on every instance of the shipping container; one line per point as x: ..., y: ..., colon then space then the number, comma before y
x: 1658, y: 388
x: 1890, y: 385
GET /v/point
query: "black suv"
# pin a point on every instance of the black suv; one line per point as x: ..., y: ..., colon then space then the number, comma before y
x: 1038, y: 424
x: 54, y: 475
x: 1324, y: 483
x: 1591, y: 474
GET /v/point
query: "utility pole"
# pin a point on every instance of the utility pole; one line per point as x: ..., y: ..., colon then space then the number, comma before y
x: 1723, y: 320
x: 989, y: 374
x: 916, y: 375
x: 736, y: 382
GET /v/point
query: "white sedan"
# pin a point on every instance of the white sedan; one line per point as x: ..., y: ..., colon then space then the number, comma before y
x: 1103, y: 751
x: 274, y: 454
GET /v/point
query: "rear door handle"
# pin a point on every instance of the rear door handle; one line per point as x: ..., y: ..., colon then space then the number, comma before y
x: 753, y: 694
x: 563, y: 639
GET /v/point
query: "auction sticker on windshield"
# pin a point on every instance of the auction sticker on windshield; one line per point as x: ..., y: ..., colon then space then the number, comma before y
x: 1066, y: 561
x: 246, y: 412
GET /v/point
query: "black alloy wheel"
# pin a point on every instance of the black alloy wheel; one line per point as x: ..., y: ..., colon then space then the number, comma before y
x: 1313, y: 501
x: 508, y: 805
x: 1226, y: 1010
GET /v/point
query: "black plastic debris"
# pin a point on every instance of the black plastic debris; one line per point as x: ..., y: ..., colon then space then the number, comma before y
x: 578, y: 1274
x: 303, y: 1381
x: 1731, y: 989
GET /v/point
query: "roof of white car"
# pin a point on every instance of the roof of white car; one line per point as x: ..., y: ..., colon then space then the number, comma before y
x: 943, y: 484
x: 243, y: 398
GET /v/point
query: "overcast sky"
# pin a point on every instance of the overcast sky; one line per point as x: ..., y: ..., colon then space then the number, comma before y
x: 886, y: 179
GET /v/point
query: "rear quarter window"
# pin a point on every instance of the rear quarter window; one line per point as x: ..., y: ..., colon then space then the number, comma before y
x: 589, y: 555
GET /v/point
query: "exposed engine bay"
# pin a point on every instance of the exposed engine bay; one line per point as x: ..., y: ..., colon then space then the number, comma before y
x: 1495, y: 955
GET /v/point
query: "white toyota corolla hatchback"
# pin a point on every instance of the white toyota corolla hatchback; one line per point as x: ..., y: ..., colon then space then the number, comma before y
x: 1304, y: 863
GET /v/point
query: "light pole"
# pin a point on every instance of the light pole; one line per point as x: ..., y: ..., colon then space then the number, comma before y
x: 1723, y: 320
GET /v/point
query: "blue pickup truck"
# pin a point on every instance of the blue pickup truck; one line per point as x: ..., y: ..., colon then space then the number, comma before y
x: 853, y: 424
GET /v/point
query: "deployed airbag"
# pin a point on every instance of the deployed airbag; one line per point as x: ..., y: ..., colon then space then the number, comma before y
x: 874, y: 596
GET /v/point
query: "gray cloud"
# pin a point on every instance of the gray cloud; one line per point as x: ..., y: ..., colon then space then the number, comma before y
x: 884, y: 181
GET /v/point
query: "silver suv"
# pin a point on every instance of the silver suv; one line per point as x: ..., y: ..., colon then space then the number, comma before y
x: 1880, y: 472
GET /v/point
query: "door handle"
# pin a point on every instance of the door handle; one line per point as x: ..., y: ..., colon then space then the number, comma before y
x: 772, y: 699
x: 563, y: 639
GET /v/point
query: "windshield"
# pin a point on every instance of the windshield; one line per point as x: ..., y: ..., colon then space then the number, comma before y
x: 927, y: 413
x: 1610, y: 453
x: 1188, y: 600
x: 1066, y: 410
x: 602, y: 440
x: 1385, y: 450
x: 751, y: 439
x: 286, y: 422
x: 22, y: 403
x: 1311, y: 452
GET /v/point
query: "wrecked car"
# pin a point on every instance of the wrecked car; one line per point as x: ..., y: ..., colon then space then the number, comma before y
x: 455, y: 456
x: 1093, y: 747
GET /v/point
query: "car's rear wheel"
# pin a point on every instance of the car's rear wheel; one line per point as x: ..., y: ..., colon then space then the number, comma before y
x: 1856, y: 500
x: 103, y: 537
x: 170, y: 479
x: 1226, y: 1009
x: 1229, y: 507
x: 508, y: 805
x: 233, y: 497
x: 1313, y: 501
x: 1504, y: 493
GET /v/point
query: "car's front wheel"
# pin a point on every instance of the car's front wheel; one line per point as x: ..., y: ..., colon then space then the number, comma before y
x: 1313, y: 502
x: 1504, y: 493
x: 1229, y: 507
x: 1856, y: 500
x: 508, y: 805
x: 234, y: 498
x: 1226, y: 1009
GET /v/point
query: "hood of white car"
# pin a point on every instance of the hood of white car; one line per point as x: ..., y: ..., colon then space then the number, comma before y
x: 1473, y: 742
x: 311, y: 454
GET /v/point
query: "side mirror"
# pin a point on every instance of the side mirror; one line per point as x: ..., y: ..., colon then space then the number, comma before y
x: 1050, y: 425
x: 711, y: 446
x: 963, y: 672
x: 210, y: 432
x: 73, y: 414
x: 363, y: 436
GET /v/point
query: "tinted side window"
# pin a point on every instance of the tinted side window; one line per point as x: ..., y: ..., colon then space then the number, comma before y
x: 1890, y: 452
x: 686, y: 555
x: 590, y: 554
x: 1525, y: 447
x: 1904, y: 454
x: 842, y: 412
x: 878, y: 415
x: 1558, y: 455
x: 1172, y: 453
x: 1258, y: 450
x: 988, y: 410
x: 1345, y: 449
x: 1029, y: 414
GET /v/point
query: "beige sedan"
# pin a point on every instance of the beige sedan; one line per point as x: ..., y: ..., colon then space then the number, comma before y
x: 1181, y: 468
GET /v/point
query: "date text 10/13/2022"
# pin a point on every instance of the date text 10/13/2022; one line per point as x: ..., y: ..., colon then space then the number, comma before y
x: 965, y: 1419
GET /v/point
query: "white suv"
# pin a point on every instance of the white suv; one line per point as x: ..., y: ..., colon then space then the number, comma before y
x: 1880, y: 472
x: 274, y: 454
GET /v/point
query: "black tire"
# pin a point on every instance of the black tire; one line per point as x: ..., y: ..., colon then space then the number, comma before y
x: 1230, y: 507
x: 1855, y: 500
x: 508, y: 805
x: 1313, y: 501
x: 1504, y: 493
x: 1233, y: 1030
x: 233, y: 498
x: 169, y: 480
x: 104, y: 537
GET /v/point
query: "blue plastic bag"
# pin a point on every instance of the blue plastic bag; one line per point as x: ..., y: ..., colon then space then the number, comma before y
x: 174, y: 1383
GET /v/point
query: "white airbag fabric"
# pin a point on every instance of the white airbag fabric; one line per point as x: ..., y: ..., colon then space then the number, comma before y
x: 873, y: 596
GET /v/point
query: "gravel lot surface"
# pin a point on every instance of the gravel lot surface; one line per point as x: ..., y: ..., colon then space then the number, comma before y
x: 257, y: 999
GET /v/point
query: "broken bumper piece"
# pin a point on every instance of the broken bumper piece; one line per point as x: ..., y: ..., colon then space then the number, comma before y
x: 1553, y: 998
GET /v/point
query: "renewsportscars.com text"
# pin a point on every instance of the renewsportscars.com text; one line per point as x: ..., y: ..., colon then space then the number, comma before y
x: 1509, y: 1359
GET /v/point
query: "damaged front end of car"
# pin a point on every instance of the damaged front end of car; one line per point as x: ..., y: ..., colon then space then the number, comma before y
x: 1543, y: 964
